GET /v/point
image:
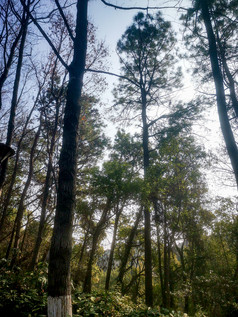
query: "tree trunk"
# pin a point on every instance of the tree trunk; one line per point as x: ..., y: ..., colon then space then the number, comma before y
x: 128, y: 247
x: 14, y: 174
x: 110, y: 260
x: 42, y: 216
x: 100, y: 226
x: 9, y: 62
x: 59, y: 290
x: 220, y: 92
x: 21, y: 206
x: 11, y: 122
x: 166, y: 296
x: 45, y: 192
x: 11, y: 240
x: 24, y: 236
x: 160, y: 264
x: 77, y: 275
x: 147, y: 228
x: 180, y: 251
x: 87, y: 286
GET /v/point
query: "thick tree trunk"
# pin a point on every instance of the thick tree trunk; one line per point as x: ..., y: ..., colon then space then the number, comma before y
x: 220, y: 92
x: 59, y: 290
x: 11, y: 122
x: 21, y: 206
x: 147, y: 228
x: 128, y: 247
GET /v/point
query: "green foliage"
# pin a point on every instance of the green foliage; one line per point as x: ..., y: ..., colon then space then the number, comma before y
x: 113, y: 304
x: 22, y: 293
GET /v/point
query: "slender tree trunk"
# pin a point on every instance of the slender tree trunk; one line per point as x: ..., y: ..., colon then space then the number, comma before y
x: 11, y: 240
x: 14, y: 174
x: 100, y: 226
x: 160, y: 264
x: 166, y: 269
x: 21, y: 206
x: 220, y: 92
x: 87, y: 286
x: 230, y: 79
x: 9, y: 62
x: 59, y: 290
x: 113, y: 244
x: 128, y: 247
x: 147, y: 228
x: 78, y: 273
x: 46, y: 191
x: 24, y: 236
x: 42, y: 216
x: 11, y: 122
x: 231, y: 86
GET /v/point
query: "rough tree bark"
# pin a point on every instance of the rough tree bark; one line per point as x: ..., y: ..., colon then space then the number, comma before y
x: 59, y: 289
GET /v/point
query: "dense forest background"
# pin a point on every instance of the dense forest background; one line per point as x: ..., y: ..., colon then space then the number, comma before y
x: 141, y: 222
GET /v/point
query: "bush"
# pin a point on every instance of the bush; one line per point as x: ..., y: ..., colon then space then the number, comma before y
x: 22, y: 293
x: 113, y: 304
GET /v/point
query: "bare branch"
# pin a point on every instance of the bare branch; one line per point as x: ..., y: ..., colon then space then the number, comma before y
x: 65, y: 20
x: 138, y: 8
x: 45, y: 36
x: 112, y: 74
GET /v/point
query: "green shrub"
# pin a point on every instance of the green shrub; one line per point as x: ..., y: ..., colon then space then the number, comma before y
x: 22, y: 293
x: 113, y: 304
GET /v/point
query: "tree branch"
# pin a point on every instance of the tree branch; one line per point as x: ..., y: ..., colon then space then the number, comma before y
x: 165, y: 116
x: 45, y: 36
x: 138, y: 8
x: 112, y: 74
x: 65, y: 20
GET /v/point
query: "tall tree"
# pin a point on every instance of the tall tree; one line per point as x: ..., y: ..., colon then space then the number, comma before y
x: 59, y: 285
x: 59, y: 300
x: 218, y: 44
x: 147, y: 58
